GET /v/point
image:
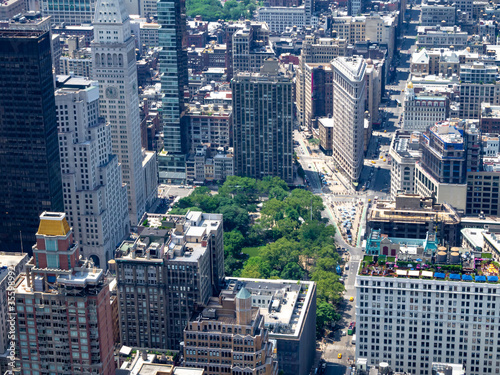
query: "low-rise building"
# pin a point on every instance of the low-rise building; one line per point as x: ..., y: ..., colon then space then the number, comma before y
x: 472, y: 239
x: 424, y: 109
x: 281, y: 18
x: 210, y: 123
x: 411, y: 216
x: 404, y: 152
x: 437, y: 14
x: 489, y: 121
x: 144, y: 363
x: 326, y: 131
x: 441, y: 36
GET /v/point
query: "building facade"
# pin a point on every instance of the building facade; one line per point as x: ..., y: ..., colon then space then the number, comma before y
x: 29, y: 151
x: 175, y: 264
x: 114, y: 65
x: 229, y: 336
x: 95, y: 200
x: 349, y: 97
x: 263, y: 122
x: 423, y: 110
x: 478, y: 84
x: 70, y: 12
x: 410, y: 322
x: 63, y: 307
x: 174, y: 81
x: 404, y: 153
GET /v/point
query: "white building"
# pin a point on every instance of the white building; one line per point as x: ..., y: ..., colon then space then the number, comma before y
x: 68, y: 11
x: 114, y: 64
x: 404, y: 153
x: 423, y: 110
x: 417, y: 318
x: 95, y: 199
x: 280, y: 18
x: 435, y: 14
x: 349, y: 96
x: 441, y: 37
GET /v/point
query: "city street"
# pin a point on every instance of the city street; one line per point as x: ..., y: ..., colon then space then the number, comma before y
x: 374, y: 183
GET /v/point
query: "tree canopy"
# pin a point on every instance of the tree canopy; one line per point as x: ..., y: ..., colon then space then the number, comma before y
x: 288, y: 237
x: 213, y: 10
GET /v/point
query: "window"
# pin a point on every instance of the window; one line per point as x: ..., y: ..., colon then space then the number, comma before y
x: 52, y: 261
x: 51, y: 245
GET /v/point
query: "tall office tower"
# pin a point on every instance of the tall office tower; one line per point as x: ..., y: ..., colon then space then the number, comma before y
x: 223, y: 323
x: 29, y: 153
x: 349, y: 96
x: 12, y: 264
x: 174, y: 81
x: 95, y: 199
x: 63, y: 307
x: 263, y: 122
x: 71, y: 12
x: 114, y: 66
x: 175, y: 264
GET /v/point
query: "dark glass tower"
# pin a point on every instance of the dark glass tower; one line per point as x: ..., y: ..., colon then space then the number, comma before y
x: 30, y: 180
x: 174, y: 80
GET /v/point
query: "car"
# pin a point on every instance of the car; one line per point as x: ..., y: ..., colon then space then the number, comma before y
x: 351, y: 299
x: 339, y: 356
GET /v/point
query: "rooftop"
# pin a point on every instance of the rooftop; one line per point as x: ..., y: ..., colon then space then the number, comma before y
x: 455, y: 264
x: 180, y: 238
x: 283, y: 303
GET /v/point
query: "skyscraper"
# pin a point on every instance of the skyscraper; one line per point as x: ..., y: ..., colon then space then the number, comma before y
x: 349, y: 96
x: 174, y: 79
x: 263, y: 122
x: 63, y: 307
x: 114, y: 66
x: 29, y: 153
x: 95, y: 199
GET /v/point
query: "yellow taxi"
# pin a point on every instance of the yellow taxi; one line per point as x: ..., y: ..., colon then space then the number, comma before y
x: 351, y: 299
x: 339, y: 356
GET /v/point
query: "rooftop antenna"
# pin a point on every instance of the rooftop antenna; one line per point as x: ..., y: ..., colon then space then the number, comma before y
x: 21, y: 238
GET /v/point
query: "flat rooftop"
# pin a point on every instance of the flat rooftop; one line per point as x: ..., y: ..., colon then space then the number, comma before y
x: 283, y: 303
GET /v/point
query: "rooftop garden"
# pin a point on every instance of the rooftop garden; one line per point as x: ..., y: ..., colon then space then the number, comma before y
x: 482, y: 269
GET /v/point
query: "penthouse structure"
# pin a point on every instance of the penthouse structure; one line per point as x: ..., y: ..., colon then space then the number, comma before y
x: 288, y: 308
x: 63, y: 307
x: 349, y: 96
x: 229, y: 336
x: 173, y: 264
x: 438, y: 306
x: 411, y: 216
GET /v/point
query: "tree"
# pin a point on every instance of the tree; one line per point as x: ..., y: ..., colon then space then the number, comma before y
x: 292, y: 271
x: 233, y: 243
x: 325, y: 314
x: 256, y: 268
x: 235, y: 217
x: 327, y: 285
